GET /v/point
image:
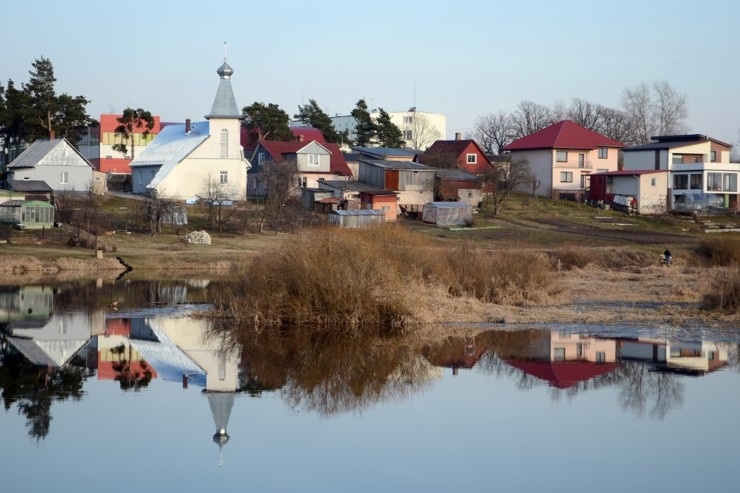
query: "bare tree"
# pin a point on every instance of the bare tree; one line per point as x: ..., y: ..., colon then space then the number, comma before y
x: 420, y: 131
x: 218, y: 199
x: 586, y: 114
x: 655, y: 109
x: 493, y: 132
x: 530, y: 117
x: 505, y: 177
x: 281, y: 180
x: 155, y: 208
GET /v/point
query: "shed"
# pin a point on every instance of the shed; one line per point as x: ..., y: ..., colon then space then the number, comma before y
x: 358, y: 218
x: 447, y: 213
x: 31, y: 214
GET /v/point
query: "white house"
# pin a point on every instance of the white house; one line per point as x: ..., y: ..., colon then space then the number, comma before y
x: 700, y: 172
x: 420, y: 129
x: 55, y: 162
x: 184, y: 158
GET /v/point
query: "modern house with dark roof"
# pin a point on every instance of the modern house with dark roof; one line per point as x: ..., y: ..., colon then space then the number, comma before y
x: 701, y: 175
x: 316, y: 161
x: 185, y: 158
x: 562, y: 157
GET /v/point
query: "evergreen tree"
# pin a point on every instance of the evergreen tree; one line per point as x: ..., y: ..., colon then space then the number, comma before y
x: 365, y: 129
x: 312, y: 115
x: 266, y: 122
x: 389, y: 135
x: 38, y: 112
x: 129, y: 122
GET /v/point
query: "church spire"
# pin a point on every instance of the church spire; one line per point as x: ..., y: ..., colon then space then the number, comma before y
x: 224, y: 105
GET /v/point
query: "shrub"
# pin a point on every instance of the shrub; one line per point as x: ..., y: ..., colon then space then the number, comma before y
x: 724, y: 291
x: 723, y: 251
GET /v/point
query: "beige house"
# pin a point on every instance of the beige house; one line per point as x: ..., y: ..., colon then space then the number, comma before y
x: 563, y: 156
x: 700, y: 174
x: 184, y: 159
x: 648, y: 188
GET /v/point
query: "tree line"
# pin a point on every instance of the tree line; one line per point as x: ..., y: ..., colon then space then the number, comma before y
x: 646, y: 110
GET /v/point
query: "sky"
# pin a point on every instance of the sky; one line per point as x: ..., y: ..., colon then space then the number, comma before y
x: 463, y: 58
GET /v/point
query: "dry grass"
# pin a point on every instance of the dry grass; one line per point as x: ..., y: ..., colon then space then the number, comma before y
x: 723, y: 294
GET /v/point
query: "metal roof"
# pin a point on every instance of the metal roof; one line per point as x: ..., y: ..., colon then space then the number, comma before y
x: 351, y: 186
x: 359, y: 212
x: 29, y: 186
x: 456, y: 174
x: 385, y: 151
x: 398, y: 164
x: 171, y: 146
x: 224, y: 104
x: 42, y: 152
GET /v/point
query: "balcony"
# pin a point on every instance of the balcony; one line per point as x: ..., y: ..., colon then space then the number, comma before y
x: 574, y: 165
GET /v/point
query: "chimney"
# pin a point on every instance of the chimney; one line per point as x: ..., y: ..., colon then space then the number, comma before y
x: 300, y: 137
x: 458, y: 136
x: 187, y: 126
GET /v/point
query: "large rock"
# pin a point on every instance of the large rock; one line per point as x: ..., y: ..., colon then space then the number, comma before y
x: 198, y: 238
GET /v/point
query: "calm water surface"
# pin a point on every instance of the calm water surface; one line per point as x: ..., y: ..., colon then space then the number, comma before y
x: 116, y: 388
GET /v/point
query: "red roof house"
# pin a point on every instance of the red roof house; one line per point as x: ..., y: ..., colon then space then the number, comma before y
x: 562, y: 156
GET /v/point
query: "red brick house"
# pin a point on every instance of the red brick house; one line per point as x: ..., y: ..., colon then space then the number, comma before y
x: 463, y: 154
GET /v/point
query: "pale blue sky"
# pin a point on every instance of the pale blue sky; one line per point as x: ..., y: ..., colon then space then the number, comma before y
x: 463, y: 58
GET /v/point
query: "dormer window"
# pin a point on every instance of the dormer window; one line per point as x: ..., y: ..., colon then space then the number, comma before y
x: 313, y: 159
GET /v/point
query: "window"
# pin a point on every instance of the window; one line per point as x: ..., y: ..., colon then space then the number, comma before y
x: 601, y: 357
x: 681, y: 182
x: 223, y: 177
x: 695, y: 181
x: 471, y: 158
x: 585, y: 181
x: 713, y: 156
x: 729, y: 182
x: 561, y: 156
x: 313, y: 159
x: 63, y: 178
x: 408, y: 119
x: 304, y: 182
x: 558, y: 354
x: 141, y: 174
x: 260, y: 158
x: 603, y: 152
x: 677, y: 159
x: 653, y: 182
x: 224, y: 143
x: 714, y: 182
x: 566, y: 177
x: 408, y: 135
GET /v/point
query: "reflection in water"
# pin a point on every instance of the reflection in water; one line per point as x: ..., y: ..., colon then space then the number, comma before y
x: 332, y: 376
x: 53, y: 339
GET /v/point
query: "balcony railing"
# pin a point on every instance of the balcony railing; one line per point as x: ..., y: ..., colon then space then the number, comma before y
x: 576, y: 165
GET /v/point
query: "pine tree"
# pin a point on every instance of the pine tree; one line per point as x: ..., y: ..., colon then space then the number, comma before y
x: 266, y: 122
x: 365, y: 129
x: 389, y: 135
x: 312, y: 115
x: 129, y: 122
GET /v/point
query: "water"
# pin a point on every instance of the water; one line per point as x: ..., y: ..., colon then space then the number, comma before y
x: 548, y: 408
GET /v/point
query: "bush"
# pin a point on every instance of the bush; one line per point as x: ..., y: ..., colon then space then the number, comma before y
x: 724, y: 291
x: 723, y: 251
x: 351, y: 281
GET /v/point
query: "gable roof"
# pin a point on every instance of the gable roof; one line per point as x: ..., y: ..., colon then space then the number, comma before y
x: 49, y: 152
x: 563, y: 135
x: 453, y: 174
x: 308, y: 134
x: 563, y: 374
x: 279, y: 150
x: 169, y: 147
x: 451, y: 147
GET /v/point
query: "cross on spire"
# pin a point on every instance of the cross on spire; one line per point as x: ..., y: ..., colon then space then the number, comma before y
x: 225, y: 47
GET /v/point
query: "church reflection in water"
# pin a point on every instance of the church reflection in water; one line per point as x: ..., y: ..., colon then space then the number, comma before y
x: 68, y: 346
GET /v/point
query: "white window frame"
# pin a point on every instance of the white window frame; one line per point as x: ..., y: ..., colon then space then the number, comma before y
x: 313, y: 159
x: 566, y: 177
x: 223, y: 177
x: 64, y: 178
x: 471, y: 158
